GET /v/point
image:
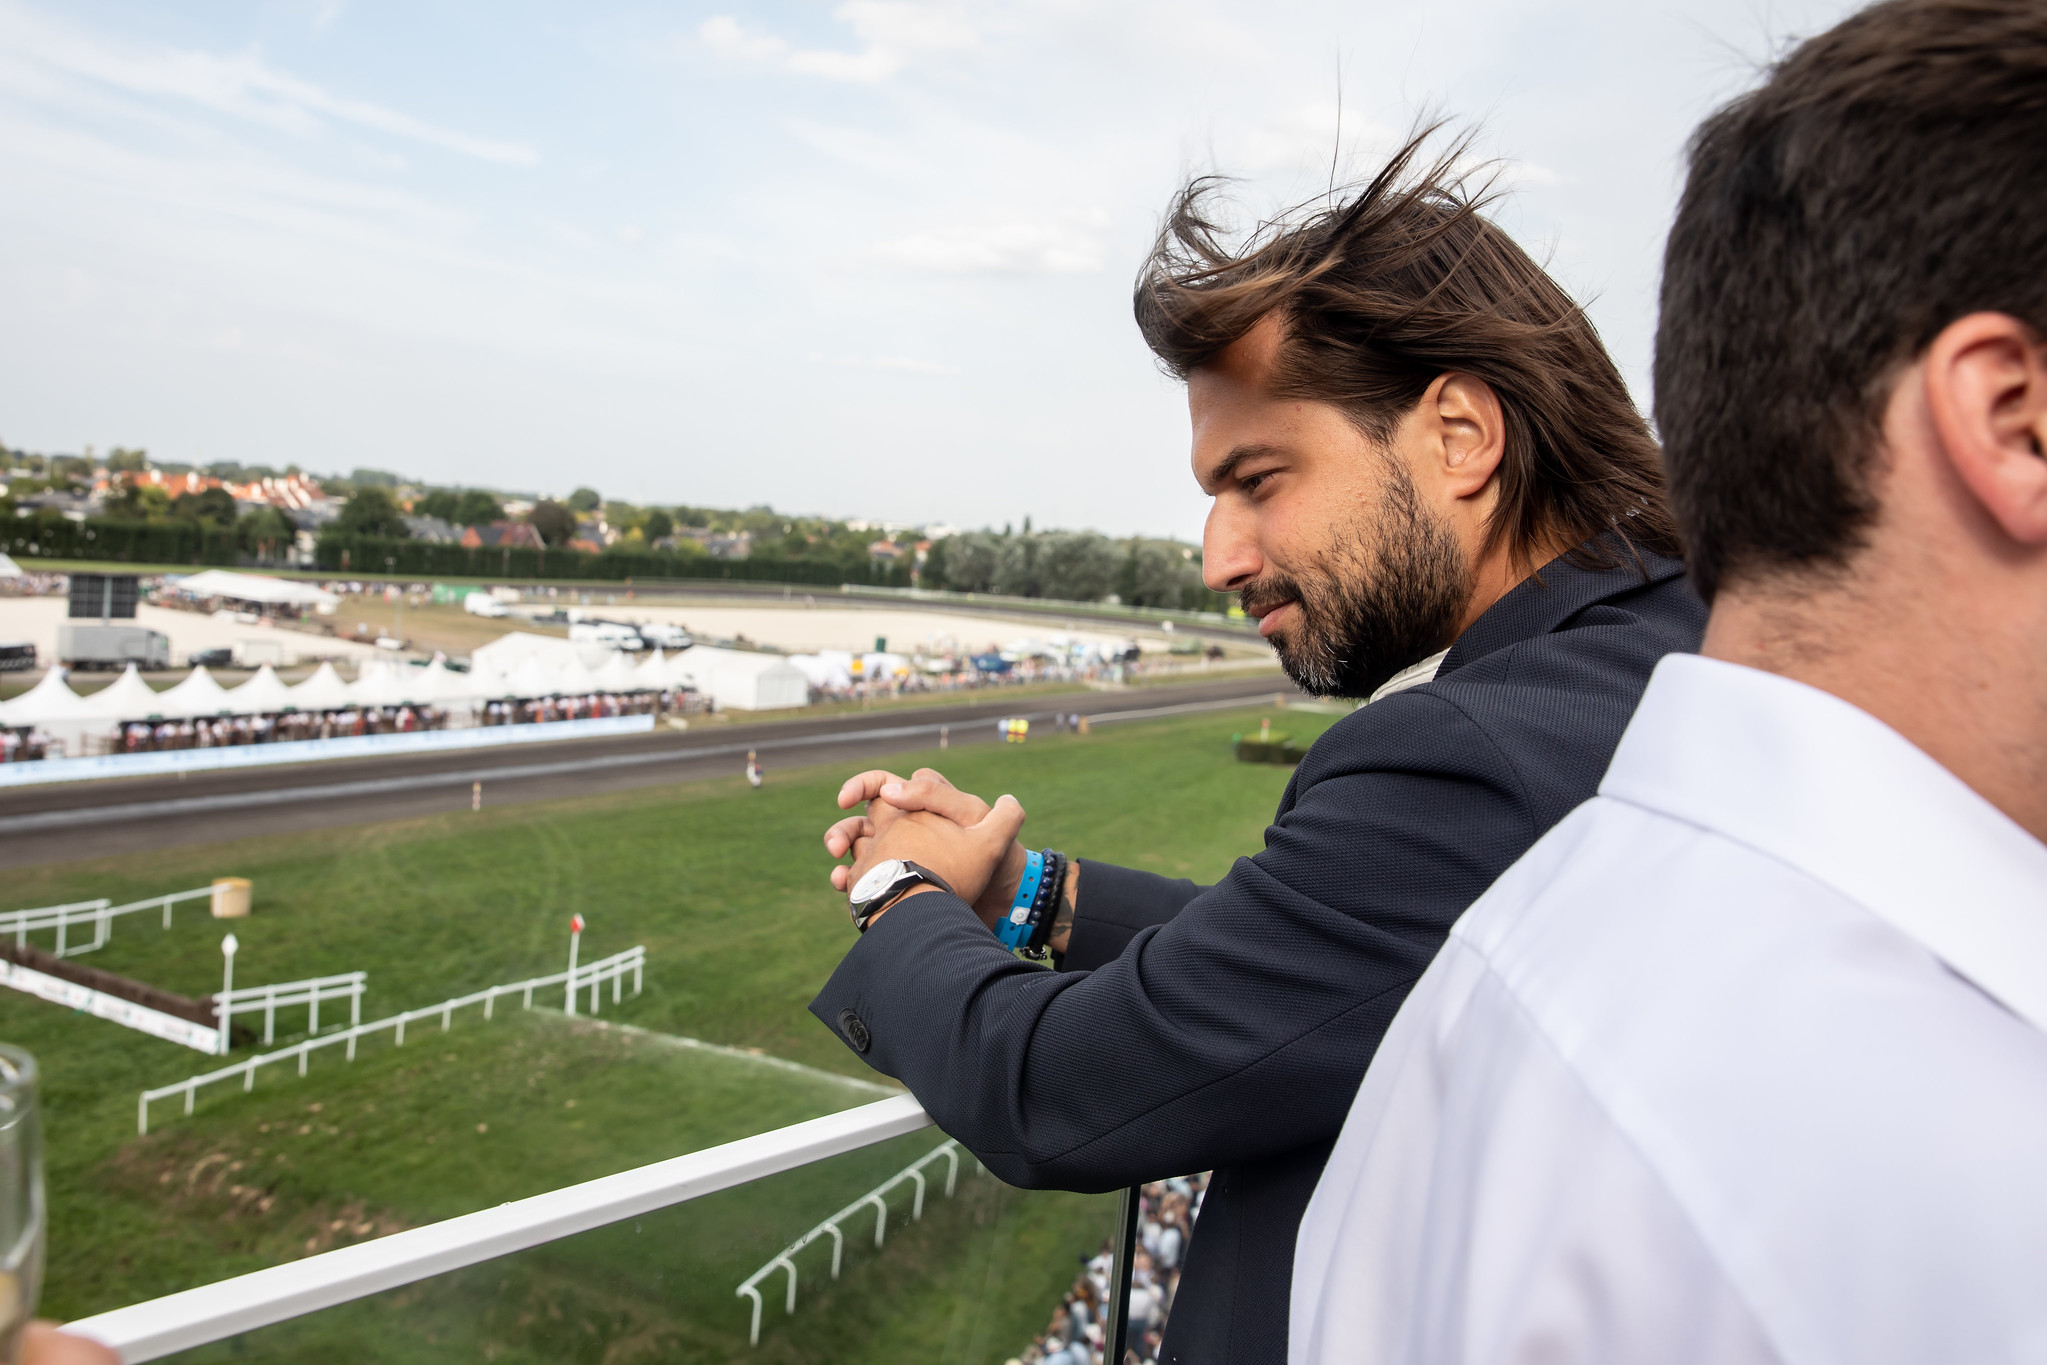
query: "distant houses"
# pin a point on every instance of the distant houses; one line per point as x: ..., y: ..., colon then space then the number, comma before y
x: 502, y: 535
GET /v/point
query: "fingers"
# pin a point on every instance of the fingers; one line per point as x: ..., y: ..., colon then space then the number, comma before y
x: 842, y: 879
x: 1004, y: 821
x: 929, y: 791
x: 840, y: 838
x: 862, y: 787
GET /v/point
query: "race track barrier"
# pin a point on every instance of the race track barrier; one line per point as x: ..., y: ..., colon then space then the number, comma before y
x: 100, y: 914
x: 877, y: 1197
x: 613, y: 969
x: 285, y: 995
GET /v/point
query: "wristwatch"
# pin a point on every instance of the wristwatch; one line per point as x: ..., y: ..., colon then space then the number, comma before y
x: 883, y: 884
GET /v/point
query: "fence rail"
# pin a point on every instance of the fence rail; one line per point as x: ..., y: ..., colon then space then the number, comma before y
x: 146, y: 1331
x: 877, y: 1197
x: 100, y: 913
x: 277, y: 995
x: 593, y: 975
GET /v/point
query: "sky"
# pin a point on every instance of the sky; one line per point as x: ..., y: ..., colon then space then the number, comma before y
x: 869, y: 258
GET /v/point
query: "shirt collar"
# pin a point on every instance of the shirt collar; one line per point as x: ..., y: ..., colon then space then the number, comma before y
x: 1810, y: 780
x: 1553, y: 594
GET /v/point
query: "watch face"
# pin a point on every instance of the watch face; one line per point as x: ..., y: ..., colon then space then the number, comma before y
x: 879, y: 878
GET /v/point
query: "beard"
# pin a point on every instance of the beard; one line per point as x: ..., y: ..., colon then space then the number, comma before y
x: 1384, y: 596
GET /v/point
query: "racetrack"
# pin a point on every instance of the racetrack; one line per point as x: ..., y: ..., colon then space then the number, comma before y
x: 105, y: 818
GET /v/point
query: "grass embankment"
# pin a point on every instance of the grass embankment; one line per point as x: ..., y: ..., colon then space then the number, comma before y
x: 726, y: 887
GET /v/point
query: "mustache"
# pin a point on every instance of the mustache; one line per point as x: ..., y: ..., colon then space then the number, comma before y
x: 1264, y: 593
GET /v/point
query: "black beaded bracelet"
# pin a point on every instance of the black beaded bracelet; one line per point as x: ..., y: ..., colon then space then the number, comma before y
x: 1045, y: 905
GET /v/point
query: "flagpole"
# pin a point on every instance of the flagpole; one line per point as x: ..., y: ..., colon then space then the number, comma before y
x: 575, y: 939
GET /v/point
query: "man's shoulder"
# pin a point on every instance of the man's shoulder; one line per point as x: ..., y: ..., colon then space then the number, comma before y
x: 1831, y: 1108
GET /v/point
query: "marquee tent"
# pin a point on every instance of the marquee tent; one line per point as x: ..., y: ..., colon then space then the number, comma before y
x: 263, y: 695
x: 8, y: 568
x: 531, y: 680
x: 324, y: 691
x: 197, y: 695
x: 254, y: 587
x: 127, y: 698
x: 619, y: 674
x: 740, y: 680
x: 49, y: 702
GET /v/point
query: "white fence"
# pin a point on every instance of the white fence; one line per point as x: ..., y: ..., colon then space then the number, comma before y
x: 593, y: 975
x: 100, y: 914
x: 876, y: 1197
x: 286, y: 995
x: 146, y: 1331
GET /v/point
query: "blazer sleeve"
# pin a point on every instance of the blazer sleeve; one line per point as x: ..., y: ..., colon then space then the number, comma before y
x: 1114, y: 903
x: 1240, y: 1027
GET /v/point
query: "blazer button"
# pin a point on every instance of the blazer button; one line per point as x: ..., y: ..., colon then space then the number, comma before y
x: 855, y: 1031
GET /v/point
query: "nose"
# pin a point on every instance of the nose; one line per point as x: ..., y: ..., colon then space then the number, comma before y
x: 1229, y: 547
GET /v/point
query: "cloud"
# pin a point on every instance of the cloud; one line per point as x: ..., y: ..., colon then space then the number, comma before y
x: 893, y: 35
x: 1010, y: 246
x: 241, y: 85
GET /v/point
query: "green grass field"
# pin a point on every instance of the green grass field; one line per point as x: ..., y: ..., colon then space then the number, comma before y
x: 726, y: 887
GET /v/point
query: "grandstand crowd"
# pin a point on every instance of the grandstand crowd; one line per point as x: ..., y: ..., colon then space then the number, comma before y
x: 1165, y: 1222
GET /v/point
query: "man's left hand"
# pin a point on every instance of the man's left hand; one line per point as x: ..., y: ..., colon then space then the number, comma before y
x: 955, y: 835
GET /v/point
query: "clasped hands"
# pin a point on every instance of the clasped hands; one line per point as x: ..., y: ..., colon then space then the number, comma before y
x: 925, y: 819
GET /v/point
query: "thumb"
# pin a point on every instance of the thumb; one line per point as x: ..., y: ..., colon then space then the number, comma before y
x: 1003, y: 822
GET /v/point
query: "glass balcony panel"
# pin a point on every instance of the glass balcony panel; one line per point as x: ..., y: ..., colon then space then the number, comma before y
x: 975, y: 1279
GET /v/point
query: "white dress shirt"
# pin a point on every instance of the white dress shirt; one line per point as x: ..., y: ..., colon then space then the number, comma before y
x: 1743, y: 1061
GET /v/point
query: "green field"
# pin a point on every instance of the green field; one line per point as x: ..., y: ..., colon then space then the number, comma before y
x: 726, y: 887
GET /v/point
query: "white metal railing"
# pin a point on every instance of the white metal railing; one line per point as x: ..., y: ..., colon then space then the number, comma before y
x: 613, y: 969
x: 146, y: 1331
x: 286, y: 995
x: 100, y: 913
x: 785, y: 1260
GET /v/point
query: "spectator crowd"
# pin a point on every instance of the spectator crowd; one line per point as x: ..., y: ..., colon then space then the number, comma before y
x: 1165, y: 1222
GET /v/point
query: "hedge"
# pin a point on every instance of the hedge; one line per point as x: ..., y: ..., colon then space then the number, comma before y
x: 120, y: 542
x: 366, y: 554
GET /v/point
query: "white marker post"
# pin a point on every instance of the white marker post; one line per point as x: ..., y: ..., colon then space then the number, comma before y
x: 228, y: 946
x: 575, y: 939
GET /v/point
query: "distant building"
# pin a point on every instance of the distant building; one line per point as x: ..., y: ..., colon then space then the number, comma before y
x: 720, y: 544
x: 885, y: 552
x: 502, y: 535
x: 432, y: 530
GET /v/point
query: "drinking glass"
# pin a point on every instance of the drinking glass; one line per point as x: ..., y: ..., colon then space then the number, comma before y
x: 21, y: 1197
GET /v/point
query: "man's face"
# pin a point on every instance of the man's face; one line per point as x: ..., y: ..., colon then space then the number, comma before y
x: 1326, y: 535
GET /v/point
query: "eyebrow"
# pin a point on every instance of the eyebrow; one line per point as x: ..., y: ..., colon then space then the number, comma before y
x: 1226, y: 468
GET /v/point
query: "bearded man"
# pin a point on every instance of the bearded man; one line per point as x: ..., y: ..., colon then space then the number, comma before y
x: 1432, y: 490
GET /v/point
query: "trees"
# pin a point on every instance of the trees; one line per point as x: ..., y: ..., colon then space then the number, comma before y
x: 584, y: 500
x: 555, y: 522
x: 121, y: 461
x: 970, y: 561
x: 372, y: 511
x: 659, y: 525
x: 464, y: 507
x: 1077, y: 566
x: 265, y: 532
x: 212, y: 506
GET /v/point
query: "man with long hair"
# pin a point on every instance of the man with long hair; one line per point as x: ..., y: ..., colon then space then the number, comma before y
x: 1746, y: 1061
x: 1431, y: 488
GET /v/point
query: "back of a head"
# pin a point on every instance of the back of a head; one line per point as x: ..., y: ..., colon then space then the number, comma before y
x: 1393, y: 284
x: 1889, y: 178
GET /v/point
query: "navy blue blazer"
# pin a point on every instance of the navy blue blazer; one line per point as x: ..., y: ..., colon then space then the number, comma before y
x: 1227, y: 1027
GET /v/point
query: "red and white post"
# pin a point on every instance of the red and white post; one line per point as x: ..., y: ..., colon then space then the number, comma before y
x: 575, y: 941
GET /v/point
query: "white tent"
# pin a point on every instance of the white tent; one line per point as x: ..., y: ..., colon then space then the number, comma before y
x: 50, y: 702
x: 197, y: 695
x: 254, y: 587
x: 743, y: 681
x: 486, y: 680
x: 126, y: 698
x: 619, y: 674
x: 530, y: 679
x: 324, y: 691
x: 823, y: 670
x: 8, y: 568
x: 263, y: 695
x: 575, y: 679
x: 508, y: 651
x: 384, y: 684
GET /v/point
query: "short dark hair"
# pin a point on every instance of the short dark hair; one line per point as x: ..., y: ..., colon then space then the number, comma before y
x: 1889, y: 177
x: 1384, y: 288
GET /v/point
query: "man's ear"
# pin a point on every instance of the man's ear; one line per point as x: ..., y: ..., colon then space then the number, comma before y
x: 1986, y: 393
x: 1471, y: 429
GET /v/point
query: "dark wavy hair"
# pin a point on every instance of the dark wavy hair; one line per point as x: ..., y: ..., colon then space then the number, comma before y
x: 1387, y: 286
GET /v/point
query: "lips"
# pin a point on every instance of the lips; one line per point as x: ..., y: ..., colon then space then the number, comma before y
x: 1272, y: 617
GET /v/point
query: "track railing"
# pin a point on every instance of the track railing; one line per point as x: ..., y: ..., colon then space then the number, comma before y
x: 100, y: 914
x: 614, y: 969
x: 277, y: 995
x: 145, y: 1331
x: 877, y: 1198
